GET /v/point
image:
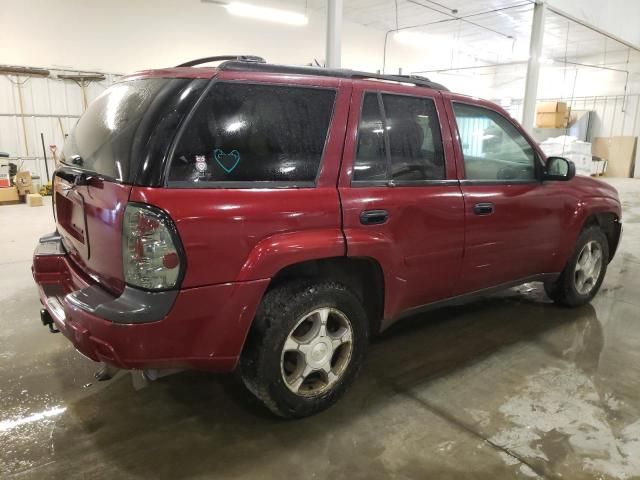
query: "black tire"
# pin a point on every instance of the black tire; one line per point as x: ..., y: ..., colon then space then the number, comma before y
x: 563, y: 291
x: 278, y: 314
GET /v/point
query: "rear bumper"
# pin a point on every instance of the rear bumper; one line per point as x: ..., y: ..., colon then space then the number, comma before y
x: 202, y: 328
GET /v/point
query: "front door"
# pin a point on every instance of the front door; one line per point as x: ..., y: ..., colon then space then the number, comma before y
x: 401, y: 201
x: 513, y: 220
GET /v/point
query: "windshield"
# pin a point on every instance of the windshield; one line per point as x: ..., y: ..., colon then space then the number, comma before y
x: 113, y: 136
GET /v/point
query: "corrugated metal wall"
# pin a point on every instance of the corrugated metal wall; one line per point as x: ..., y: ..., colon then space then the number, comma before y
x: 50, y: 106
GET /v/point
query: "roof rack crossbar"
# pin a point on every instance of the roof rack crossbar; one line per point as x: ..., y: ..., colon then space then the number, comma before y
x: 219, y: 58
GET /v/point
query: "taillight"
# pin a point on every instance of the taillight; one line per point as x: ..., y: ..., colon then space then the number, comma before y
x: 151, y: 252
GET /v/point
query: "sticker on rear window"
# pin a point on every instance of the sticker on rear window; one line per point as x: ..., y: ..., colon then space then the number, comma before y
x: 201, y: 165
x: 227, y: 161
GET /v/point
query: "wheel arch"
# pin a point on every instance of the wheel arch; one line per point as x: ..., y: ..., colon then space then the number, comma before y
x: 604, y: 212
x: 362, y: 275
x: 609, y: 223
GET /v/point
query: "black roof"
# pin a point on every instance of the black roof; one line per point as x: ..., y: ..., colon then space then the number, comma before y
x: 250, y: 63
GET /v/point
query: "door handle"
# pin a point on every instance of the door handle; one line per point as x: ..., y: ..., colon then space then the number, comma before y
x: 373, y: 217
x: 483, y: 208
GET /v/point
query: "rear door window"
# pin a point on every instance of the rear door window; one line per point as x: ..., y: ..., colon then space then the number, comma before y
x: 399, y: 139
x: 371, y: 159
x: 245, y: 135
x: 415, y: 142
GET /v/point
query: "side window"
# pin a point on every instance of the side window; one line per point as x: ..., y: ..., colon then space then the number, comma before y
x: 255, y: 133
x: 415, y: 142
x: 371, y: 160
x: 407, y: 137
x: 492, y: 147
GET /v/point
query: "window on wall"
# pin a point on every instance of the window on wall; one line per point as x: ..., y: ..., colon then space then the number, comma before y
x: 492, y: 147
x: 400, y: 141
x: 255, y: 133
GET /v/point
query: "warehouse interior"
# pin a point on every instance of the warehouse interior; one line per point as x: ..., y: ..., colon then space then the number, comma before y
x: 507, y: 385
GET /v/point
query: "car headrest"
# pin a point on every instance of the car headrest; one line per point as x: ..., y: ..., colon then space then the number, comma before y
x: 405, y: 138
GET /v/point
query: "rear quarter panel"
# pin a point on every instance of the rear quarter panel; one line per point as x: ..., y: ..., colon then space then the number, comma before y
x: 236, y: 235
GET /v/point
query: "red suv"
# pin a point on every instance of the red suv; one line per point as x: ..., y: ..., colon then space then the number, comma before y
x: 274, y: 218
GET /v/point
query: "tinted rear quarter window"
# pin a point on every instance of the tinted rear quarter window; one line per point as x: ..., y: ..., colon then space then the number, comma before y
x: 249, y: 133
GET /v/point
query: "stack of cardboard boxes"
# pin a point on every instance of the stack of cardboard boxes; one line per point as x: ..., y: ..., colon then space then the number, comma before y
x: 8, y: 193
x: 552, y: 115
x: 22, y: 190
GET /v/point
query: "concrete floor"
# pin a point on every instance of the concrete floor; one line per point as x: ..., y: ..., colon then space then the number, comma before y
x: 510, y: 386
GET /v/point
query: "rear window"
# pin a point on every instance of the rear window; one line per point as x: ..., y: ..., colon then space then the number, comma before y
x: 243, y: 134
x: 113, y: 136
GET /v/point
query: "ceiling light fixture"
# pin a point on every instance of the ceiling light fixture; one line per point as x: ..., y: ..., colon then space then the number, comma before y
x: 265, y: 13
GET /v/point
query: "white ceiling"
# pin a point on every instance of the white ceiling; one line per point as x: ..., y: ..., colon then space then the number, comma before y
x: 503, y: 24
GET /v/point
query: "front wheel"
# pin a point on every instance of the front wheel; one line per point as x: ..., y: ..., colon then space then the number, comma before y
x: 581, y: 279
x: 306, y: 346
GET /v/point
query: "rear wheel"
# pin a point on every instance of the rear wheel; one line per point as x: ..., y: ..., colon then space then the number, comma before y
x: 584, y: 273
x: 305, y: 348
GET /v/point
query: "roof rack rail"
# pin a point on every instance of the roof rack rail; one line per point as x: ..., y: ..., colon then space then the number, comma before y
x: 245, y: 66
x: 238, y: 58
x: 414, y: 79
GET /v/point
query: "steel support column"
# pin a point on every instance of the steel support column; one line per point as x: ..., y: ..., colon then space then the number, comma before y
x: 334, y: 33
x: 533, y: 66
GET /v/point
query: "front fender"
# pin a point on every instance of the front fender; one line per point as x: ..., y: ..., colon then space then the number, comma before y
x: 278, y: 251
x: 585, y: 208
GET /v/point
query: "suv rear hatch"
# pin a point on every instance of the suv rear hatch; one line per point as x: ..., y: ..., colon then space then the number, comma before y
x: 121, y: 140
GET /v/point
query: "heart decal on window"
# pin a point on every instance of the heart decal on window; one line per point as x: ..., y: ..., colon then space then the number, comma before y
x: 228, y: 161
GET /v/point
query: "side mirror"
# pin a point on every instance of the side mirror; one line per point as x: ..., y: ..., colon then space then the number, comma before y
x: 559, y: 168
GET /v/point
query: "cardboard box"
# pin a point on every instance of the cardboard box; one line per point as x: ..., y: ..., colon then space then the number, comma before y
x: 22, y: 178
x: 551, y: 107
x: 552, y: 115
x: 23, y: 182
x: 9, y: 194
x: 5, y: 181
x: 552, y: 120
x: 34, y: 200
x: 620, y: 153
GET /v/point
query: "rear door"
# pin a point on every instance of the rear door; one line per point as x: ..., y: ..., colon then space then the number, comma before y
x: 402, y: 204
x: 513, y: 220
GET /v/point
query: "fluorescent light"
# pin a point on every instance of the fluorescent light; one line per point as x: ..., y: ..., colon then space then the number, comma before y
x: 266, y: 13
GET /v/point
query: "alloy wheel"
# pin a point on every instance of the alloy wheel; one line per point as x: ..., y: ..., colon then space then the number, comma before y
x: 588, y: 267
x: 317, y: 351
